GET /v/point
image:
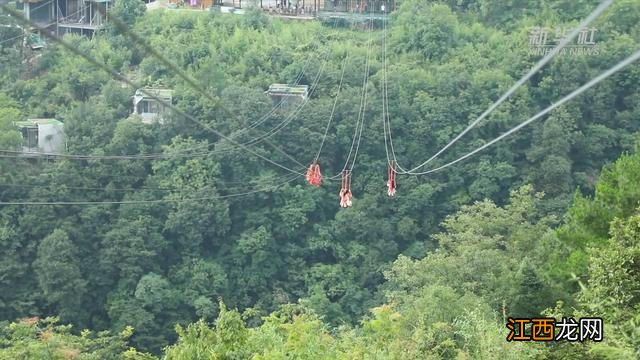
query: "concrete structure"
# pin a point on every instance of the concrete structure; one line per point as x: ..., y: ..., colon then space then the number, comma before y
x: 283, y: 94
x: 67, y: 16
x: 145, y: 105
x: 42, y: 135
x: 41, y: 12
x: 81, y: 16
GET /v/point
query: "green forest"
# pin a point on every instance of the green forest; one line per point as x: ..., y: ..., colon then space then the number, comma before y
x: 202, y: 249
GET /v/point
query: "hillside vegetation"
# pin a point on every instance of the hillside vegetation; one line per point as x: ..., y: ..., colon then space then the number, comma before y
x: 545, y: 222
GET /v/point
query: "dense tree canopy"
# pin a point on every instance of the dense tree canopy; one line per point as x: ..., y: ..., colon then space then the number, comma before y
x: 546, y: 221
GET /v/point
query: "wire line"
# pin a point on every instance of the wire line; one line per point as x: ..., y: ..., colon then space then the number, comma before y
x: 599, y: 10
x: 120, y: 77
x: 635, y: 56
x: 158, y: 201
x: 4, y: 153
x: 333, y: 109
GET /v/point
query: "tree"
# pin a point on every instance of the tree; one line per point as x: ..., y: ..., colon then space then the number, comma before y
x: 10, y: 112
x: 10, y: 137
x: 59, y: 275
x: 14, y: 275
x: 215, y: 220
x: 131, y: 249
x: 481, y: 250
x: 201, y: 282
x: 256, y: 18
x: 551, y: 170
x: 228, y: 339
x: 432, y: 30
x: 128, y: 11
x: 588, y: 220
x: 196, y: 226
x: 41, y: 339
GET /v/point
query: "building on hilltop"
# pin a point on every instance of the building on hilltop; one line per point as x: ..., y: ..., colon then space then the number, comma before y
x: 146, y: 105
x: 81, y: 16
x: 41, y: 12
x: 42, y: 135
x: 284, y: 95
x: 61, y: 17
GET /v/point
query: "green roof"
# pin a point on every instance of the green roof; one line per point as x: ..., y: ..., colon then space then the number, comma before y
x: 36, y: 122
x: 35, y: 41
x: 149, y: 92
x: 284, y: 88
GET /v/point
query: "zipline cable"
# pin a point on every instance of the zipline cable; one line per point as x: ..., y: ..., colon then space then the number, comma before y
x: 635, y: 56
x: 386, y: 100
x: 333, y: 108
x: 159, y: 201
x: 314, y: 174
x: 291, y: 116
x: 105, y: 188
x: 120, y: 77
x: 357, y: 129
x: 296, y: 82
x: 299, y: 108
x: 386, y: 114
x: 217, y: 182
x: 4, y: 153
x: 12, y: 38
x: 364, y: 98
x: 182, y: 153
x: 176, y: 70
x: 599, y: 10
x: 386, y: 129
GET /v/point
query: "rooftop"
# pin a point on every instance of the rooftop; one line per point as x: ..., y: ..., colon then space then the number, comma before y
x: 154, y: 92
x: 36, y: 122
x: 292, y: 89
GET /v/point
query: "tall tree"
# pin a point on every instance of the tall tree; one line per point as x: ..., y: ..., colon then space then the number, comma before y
x: 58, y: 271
